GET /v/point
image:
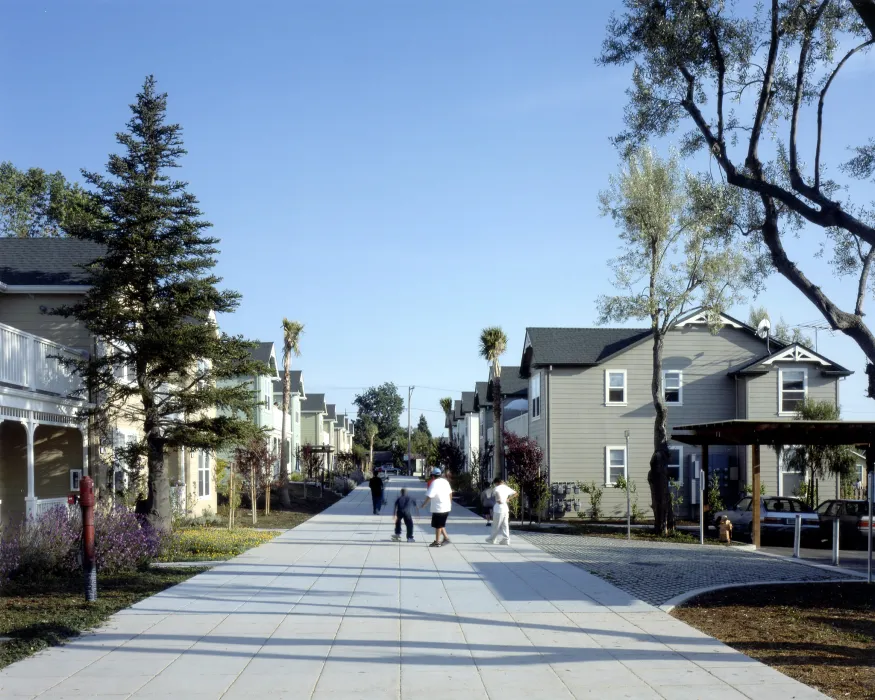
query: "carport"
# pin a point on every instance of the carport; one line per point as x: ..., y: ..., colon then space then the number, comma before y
x: 772, y: 433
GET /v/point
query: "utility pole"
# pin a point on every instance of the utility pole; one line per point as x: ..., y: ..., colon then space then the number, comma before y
x: 409, y: 396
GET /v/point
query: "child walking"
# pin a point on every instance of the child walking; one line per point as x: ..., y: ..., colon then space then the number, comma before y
x: 403, y: 511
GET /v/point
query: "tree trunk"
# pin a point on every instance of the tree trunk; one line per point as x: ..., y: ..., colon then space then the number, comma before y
x: 657, y: 477
x: 156, y: 506
x: 497, y: 432
x: 253, y: 493
x: 285, y: 499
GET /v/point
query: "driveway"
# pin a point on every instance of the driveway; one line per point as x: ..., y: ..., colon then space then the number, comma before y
x: 656, y: 572
x: 334, y: 610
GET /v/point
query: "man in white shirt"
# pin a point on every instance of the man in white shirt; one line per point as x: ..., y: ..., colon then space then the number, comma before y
x: 501, y: 494
x: 439, y: 497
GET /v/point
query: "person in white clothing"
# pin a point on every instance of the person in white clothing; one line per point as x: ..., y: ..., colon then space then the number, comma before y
x: 501, y: 494
x: 439, y: 498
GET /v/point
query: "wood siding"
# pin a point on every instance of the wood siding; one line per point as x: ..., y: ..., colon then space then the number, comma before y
x: 22, y: 311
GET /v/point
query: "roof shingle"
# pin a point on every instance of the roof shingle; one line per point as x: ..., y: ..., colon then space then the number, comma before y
x: 46, y: 261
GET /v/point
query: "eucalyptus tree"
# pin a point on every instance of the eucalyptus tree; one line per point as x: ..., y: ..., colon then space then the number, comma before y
x: 493, y: 343
x: 751, y: 82
x: 675, y: 257
x: 292, y: 331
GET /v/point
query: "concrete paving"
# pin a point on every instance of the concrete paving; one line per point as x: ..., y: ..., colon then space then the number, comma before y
x: 334, y: 610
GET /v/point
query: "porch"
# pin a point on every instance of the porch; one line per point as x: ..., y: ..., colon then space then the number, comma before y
x: 43, y: 442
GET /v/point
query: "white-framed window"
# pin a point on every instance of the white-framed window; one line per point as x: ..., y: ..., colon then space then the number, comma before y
x: 535, y: 395
x: 75, y: 478
x: 203, y: 474
x: 615, y: 387
x: 675, y: 463
x: 615, y: 464
x: 673, y: 387
x: 792, y: 390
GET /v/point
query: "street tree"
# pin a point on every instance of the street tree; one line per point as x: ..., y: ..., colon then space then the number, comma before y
x: 675, y: 257
x: 383, y: 405
x: 35, y: 204
x: 819, y: 461
x: 151, y: 302
x: 254, y: 461
x: 370, y: 432
x: 752, y: 82
x: 524, y: 460
x: 493, y: 343
x: 292, y: 331
x: 447, y: 408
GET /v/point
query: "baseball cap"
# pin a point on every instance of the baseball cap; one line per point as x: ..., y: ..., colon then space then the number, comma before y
x: 435, y: 472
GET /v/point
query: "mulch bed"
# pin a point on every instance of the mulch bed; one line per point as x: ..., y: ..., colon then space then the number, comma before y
x: 822, y: 634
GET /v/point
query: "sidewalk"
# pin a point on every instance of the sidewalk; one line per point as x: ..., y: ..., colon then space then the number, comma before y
x: 334, y: 609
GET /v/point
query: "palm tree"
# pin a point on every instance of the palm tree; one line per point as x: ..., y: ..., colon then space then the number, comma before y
x: 447, y: 405
x: 371, y: 430
x: 291, y: 346
x: 493, y: 343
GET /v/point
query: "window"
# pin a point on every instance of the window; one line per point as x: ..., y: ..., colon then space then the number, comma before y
x: 673, y: 387
x: 615, y: 464
x: 615, y: 387
x: 675, y: 463
x: 203, y: 475
x: 743, y: 504
x: 75, y: 478
x: 792, y: 389
x: 535, y: 395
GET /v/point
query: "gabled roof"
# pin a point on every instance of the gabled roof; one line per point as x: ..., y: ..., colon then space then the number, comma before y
x: 296, y: 384
x: 265, y: 353
x: 467, y: 402
x: 46, y: 261
x: 791, y: 353
x: 512, y: 384
x: 481, y: 399
x: 331, y: 410
x: 457, y: 409
x: 314, y: 403
x: 575, y: 346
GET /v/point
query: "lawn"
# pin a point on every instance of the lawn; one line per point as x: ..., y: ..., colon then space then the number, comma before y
x: 39, y: 614
x: 822, y: 634
x: 302, y: 510
x: 211, y: 543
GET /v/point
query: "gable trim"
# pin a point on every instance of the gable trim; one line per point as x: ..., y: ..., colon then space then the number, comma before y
x: 796, y: 353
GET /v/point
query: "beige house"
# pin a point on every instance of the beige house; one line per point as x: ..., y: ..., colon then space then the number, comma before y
x: 44, y: 447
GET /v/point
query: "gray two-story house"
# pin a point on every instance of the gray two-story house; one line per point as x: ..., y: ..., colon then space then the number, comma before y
x: 588, y: 386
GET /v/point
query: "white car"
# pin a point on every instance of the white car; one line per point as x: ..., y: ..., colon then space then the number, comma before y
x: 779, y: 518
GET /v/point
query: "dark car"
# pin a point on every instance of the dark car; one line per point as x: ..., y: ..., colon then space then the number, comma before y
x: 853, y: 517
x: 779, y: 518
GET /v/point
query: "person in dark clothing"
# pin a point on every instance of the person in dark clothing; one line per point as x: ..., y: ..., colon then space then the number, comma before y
x: 403, y: 511
x: 376, y: 484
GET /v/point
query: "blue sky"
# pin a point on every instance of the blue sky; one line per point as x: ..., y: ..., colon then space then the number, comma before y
x: 375, y: 169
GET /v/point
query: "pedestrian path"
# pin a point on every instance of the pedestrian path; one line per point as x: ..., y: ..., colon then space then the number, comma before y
x: 335, y: 610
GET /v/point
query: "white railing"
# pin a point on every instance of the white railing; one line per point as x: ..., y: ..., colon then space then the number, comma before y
x: 44, y: 505
x: 30, y: 362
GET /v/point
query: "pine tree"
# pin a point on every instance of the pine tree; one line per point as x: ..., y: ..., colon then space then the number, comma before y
x: 152, y: 305
x: 422, y: 426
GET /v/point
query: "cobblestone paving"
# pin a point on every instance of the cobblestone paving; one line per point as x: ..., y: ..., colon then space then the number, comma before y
x: 656, y: 572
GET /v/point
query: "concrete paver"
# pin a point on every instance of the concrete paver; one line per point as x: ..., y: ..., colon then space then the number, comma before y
x: 333, y: 610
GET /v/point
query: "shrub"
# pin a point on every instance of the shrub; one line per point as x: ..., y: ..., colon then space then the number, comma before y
x: 595, y: 499
x: 344, y: 485
x: 636, y: 512
x: 714, y: 499
x: 50, y: 544
x: 296, y: 476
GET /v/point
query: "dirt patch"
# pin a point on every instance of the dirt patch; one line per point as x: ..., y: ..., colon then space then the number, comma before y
x: 301, y: 510
x: 822, y: 634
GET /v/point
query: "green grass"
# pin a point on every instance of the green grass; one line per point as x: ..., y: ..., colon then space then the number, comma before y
x: 44, y: 613
x: 211, y: 543
x: 619, y: 532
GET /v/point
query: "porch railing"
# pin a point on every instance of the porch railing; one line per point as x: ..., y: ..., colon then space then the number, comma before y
x: 30, y: 362
x: 44, y: 505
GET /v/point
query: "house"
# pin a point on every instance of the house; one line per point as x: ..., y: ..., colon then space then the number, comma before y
x: 343, y: 433
x: 296, y: 396
x: 468, y: 429
x: 44, y: 448
x: 588, y: 386
x: 514, y: 408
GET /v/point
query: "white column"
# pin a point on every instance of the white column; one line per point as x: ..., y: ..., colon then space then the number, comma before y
x: 84, y: 430
x: 30, y: 499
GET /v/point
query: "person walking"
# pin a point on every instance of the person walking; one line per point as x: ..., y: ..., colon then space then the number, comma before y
x: 376, y: 485
x: 487, y: 502
x: 403, y: 511
x: 439, y: 498
x: 501, y: 494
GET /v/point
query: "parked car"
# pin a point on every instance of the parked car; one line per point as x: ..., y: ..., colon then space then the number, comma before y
x: 853, y: 517
x: 778, y: 520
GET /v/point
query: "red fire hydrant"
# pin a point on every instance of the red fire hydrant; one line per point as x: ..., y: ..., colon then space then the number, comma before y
x: 89, y: 565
